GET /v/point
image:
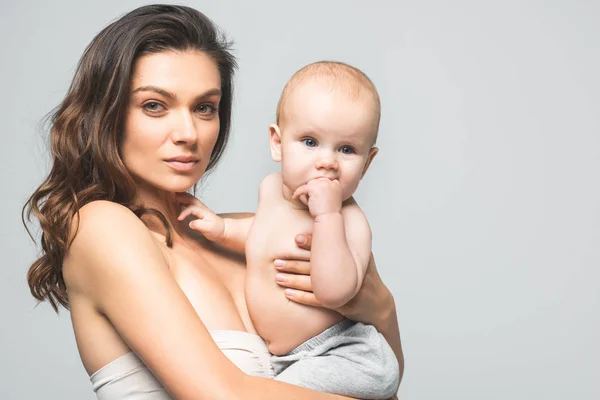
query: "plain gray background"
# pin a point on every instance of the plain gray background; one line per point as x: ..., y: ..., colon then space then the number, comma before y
x: 484, y: 199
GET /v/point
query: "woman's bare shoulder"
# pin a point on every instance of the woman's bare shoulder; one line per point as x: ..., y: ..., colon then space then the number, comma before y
x: 103, y: 210
x: 101, y: 221
x: 106, y: 235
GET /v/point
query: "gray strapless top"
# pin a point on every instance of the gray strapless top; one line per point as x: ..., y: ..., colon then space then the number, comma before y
x: 128, y: 378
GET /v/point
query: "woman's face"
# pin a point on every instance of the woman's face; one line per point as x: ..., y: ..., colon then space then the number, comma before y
x: 172, y: 120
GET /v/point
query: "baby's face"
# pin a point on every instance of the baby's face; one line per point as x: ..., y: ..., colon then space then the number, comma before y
x: 325, y: 133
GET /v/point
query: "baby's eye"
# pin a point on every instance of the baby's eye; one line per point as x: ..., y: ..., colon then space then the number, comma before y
x: 310, y: 142
x: 347, y: 150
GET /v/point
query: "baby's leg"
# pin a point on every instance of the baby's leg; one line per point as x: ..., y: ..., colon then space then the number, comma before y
x: 350, y: 359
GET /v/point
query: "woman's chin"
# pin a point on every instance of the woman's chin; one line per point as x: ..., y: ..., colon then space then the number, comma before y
x: 181, y: 184
x: 180, y: 188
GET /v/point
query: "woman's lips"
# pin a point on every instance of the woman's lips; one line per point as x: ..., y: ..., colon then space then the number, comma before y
x: 181, y: 166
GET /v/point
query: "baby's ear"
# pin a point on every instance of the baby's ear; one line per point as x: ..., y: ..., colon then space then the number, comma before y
x: 275, y: 142
x: 372, y: 153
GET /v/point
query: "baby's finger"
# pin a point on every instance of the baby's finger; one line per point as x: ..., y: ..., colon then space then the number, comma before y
x: 293, y: 266
x: 300, y: 297
x: 300, y: 191
x: 293, y: 281
x: 191, y: 210
x: 200, y: 225
x: 304, y: 199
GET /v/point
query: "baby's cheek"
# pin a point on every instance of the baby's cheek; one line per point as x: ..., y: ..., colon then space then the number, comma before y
x: 291, y: 177
x: 350, y: 183
x: 348, y: 190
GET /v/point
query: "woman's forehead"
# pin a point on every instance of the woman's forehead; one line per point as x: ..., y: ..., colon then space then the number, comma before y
x: 177, y: 71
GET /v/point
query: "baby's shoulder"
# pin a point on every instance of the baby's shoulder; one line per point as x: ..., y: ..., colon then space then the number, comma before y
x: 270, y: 181
x: 350, y: 206
x: 353, y: 214
x: 270, y: 185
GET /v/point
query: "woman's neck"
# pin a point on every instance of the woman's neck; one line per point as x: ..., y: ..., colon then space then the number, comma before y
x: 165, y: 203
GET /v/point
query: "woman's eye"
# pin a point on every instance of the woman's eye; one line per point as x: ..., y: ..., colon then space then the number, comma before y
x: 206, y: 109
x: 347, y: 150
x: 310, y: 142
x: 153, y: 107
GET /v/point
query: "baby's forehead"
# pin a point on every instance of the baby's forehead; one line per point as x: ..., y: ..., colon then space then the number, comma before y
x: 331, y: 110
x: 341, y: 78
x: 302, y: 90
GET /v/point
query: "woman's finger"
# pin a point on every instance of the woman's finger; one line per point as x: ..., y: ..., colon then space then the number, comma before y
x: 293, y: 266
x: 293, y: 281
x: 304, y: 240
x: 300, y: 297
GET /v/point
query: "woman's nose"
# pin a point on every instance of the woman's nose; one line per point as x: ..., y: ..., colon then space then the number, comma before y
x: 184, y: 132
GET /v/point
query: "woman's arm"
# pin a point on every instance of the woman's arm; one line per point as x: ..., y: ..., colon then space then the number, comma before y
x: 119, y: 265
x: 374, y: 304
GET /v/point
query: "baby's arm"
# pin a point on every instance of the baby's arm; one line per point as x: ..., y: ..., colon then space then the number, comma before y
x: 340, y: 254
x: 341, y: 244
x: 228, y: 232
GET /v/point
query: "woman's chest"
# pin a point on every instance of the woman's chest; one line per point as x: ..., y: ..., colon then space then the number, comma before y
x: 213, y: 281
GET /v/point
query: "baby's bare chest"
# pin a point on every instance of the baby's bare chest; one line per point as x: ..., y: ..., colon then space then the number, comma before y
x: 274, y: 229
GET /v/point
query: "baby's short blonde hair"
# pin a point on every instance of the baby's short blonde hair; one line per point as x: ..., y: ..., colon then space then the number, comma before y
x: 342, y: 76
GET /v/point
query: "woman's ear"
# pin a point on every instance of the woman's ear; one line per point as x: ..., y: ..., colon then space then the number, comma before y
x: 372, y: 153
x: 275, y: 142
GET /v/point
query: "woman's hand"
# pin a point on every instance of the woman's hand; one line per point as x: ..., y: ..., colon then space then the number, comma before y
x: 371, y: 305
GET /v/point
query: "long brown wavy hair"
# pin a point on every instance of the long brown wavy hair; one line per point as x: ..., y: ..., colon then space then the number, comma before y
x: 86, y: 129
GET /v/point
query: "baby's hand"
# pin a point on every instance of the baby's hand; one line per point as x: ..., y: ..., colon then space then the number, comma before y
x: 322, y: 196
x: 208, y: 223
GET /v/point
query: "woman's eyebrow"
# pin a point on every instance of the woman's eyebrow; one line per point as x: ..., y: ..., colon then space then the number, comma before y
x: 156, y: 90
x: 211, y: 92
x: 171, y: 95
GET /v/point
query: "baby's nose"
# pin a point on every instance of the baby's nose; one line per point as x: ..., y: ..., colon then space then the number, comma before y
x: 327, y: 161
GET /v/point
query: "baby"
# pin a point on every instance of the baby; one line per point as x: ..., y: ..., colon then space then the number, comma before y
x: 327, y: 124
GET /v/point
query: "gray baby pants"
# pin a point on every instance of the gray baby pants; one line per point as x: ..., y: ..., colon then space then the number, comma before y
x: 350, y: 359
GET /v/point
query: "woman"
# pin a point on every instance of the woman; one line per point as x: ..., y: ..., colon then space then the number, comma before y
x: 146, y: 116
